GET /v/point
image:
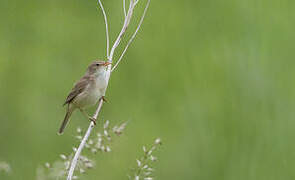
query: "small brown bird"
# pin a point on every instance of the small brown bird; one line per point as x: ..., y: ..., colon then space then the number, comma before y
x: 87, y: 91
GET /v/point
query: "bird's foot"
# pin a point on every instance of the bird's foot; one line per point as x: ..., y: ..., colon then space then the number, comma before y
x: 93, y: 120
x: 104, y: 99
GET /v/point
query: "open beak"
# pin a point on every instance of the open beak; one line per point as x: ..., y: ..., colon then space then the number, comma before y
x: 106, y: 63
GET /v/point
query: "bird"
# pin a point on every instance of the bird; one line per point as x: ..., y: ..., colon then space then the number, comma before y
x: 87, y: 91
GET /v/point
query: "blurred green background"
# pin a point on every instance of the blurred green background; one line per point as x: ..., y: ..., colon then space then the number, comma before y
x: 213, y: 79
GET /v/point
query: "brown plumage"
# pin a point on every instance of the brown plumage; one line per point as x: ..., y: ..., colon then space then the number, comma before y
x: 78, y: 88
x: 87, y: 91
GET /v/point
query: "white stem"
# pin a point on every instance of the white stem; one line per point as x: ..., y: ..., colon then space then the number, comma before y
x: 78, y: 152
x: 123, y: 30
x: 108, y: 74
x: 106, y: 23
x: 133, y: 36
x: 83, y: 142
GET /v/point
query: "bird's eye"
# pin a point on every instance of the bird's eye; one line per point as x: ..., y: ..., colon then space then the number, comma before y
x: 97, y: 64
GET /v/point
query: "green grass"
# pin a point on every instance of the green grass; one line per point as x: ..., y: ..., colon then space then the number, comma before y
x: 213, y: 79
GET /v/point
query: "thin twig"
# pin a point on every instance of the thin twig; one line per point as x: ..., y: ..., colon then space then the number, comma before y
x: 79, y: 150
x: 108, y: 74
x: 106, y: 23
x: 133, y: 36
x: 83, y: 142
x: 123, y: 30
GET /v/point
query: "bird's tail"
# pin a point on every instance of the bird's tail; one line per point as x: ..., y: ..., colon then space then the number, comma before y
x: 65, y: 121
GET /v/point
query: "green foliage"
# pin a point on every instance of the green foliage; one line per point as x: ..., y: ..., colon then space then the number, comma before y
x: 213, y: 79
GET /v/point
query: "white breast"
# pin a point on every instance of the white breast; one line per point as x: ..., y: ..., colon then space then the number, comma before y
x: 100, y: 85
x: 93, y: 92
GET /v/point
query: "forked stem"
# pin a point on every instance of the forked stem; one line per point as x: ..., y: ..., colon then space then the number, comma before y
x: 109, y: 70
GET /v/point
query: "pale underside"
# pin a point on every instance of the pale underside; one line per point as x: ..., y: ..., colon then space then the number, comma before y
x: 91, y: 93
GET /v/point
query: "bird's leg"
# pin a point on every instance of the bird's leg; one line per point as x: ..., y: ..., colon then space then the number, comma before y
x: 104, y: 99
x: 93, y: 120
x: 89, y: 117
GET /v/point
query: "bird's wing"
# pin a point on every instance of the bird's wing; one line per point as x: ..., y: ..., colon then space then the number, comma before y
x: 78, y: 88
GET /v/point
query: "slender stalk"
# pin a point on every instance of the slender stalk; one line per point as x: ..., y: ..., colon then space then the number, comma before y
x: 83, y: 142
x: 79, y: 150
x: 123, y: 30
x: 133, y: 36
x: 108, y: 74
x: 107, y: 29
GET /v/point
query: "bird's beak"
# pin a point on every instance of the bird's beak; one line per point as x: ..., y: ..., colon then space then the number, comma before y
x: 106, y: 63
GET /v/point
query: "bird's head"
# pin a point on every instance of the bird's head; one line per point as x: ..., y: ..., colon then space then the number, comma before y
x: 97, y: 67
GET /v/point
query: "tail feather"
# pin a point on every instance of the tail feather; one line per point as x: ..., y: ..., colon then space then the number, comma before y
x: 65, y: 121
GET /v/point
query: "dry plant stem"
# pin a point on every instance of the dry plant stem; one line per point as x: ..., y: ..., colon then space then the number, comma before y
x: 123, y: 30
x: 79, y: 150
x: 83, y: 142
x: 108, y: 73
x: 106, y: 23
x: 133, y: 36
